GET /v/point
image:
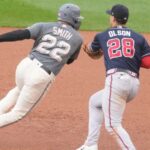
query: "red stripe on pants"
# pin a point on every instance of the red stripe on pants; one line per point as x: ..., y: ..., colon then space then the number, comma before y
x: 110, y: 120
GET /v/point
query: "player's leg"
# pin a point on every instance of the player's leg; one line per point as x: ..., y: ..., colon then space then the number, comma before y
x: 113, y: 110
x: 36, y: 83
x: 9, y: 100
x: 95, y: 118
x: 32, y: 92
x: 117, y: 89
x: 95, y: 122
x: 28, y: 97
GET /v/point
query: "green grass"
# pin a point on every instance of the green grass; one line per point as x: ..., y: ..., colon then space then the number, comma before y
x: 22, y: 13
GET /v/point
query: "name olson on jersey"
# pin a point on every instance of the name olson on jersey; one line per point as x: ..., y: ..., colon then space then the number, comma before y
x: 62, y: 33
x: 119, y: 33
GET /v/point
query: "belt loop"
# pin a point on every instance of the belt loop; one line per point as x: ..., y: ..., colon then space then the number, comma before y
x: 38, y: 63
x: 114, y: 70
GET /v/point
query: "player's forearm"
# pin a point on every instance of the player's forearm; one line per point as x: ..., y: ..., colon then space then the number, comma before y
x: 15, y: 35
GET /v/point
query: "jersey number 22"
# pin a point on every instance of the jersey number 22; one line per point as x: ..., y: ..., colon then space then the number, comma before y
x: 58, y: 48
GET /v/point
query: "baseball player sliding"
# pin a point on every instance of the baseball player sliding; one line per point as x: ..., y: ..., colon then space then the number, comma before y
x: 125, y: 51
x: 56, y: 44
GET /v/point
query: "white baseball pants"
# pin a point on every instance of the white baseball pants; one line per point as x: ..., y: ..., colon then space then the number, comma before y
x: 31, y: 83
x: 110, y: 103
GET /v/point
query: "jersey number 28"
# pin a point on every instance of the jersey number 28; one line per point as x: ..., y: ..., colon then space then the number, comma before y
x: 118, y: 48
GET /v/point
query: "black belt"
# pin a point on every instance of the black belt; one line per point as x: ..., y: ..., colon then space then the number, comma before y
x: 41, y: 66
x: 112, y: 71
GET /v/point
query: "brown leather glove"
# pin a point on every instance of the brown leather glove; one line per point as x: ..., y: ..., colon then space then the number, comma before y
x: 93, y: 55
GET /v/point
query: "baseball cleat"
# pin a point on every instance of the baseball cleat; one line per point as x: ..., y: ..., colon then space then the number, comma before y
x: 84, y: 147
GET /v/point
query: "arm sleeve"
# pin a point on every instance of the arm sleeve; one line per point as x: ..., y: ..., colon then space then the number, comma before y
x: 15, y: 35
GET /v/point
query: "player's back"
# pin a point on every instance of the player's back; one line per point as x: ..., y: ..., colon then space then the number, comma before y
x: 58, y: 38
x: 122, y: 48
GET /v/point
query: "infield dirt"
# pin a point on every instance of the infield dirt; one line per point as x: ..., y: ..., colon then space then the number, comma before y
x: 59, y: 121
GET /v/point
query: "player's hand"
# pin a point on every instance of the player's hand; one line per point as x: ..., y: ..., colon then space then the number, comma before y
x: 93, y: 55
x: 85, y: 48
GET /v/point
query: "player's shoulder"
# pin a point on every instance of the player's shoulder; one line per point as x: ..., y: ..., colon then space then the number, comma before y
x: 40, y: 25
x: 46, y: 24
x: 101, y: 34
x: 77, y: 37
x: 76, y: 34
x: 136, y: 35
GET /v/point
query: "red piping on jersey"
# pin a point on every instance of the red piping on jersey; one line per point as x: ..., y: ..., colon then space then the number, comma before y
x: 110, y: 122
x: 145, y: 62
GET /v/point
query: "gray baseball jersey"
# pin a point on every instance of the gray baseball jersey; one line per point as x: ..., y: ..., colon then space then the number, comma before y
x: 55, y: 43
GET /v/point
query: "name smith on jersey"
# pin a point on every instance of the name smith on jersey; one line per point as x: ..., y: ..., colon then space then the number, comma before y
x: 114, y: 33
x: 62, y: 33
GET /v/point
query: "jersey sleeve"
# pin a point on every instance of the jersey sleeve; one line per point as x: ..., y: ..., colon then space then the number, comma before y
x: 146, y: 48
x: 145, y: 62
x: 75, y: 55
x: 95, y: 45
x: 35, y: 30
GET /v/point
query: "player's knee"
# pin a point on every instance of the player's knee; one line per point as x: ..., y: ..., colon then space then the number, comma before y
x: 92, y: 102
x: 15, y: 91
x: 96, y: 99
x: 19, y: 114
x: 111, y: 129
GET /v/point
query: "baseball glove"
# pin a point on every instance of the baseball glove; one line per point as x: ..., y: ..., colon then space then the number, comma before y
x: 93, y: 55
